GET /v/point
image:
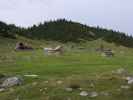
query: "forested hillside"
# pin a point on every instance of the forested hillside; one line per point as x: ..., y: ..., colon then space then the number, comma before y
x: 66, y: 31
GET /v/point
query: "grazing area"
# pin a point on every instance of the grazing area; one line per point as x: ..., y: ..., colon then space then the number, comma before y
x: 79, y: 73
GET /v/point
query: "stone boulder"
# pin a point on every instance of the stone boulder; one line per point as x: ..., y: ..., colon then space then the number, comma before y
x: 22, y: 46
x: 11, y: 81
x: 129, y: 79
x: 121, y: 71
x: 93, y: 94
x: 83, y: 93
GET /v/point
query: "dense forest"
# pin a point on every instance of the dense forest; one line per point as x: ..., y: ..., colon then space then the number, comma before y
x: 65, y: 31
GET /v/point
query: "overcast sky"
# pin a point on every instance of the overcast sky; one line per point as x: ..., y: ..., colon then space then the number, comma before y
x: 113, y: 14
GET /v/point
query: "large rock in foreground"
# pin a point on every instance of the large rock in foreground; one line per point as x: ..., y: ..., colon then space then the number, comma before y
x: 12, y: 81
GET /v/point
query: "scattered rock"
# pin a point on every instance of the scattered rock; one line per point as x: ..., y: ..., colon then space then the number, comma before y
x: 104, y: 93
x: 2, y: 89
x: 69, y: 89
x: 93, y: 94
x: 45, y: 88
x: 41, y: 90
x: 33, y: 75
x: 80, y: 89
x: 83, y: 93
x: 34, y: 83
x: 22, y: 46
x: 129, y: 80
x: 125, y: 87
x: 59, y: 82
x: 121, y: 71
x: 12, y: 81
x: 107, y: 53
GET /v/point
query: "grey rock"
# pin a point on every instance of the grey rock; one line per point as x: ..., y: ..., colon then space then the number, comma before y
x: 80, y: 89
x: 93, y: 94
x: 83, y: 93
x: 45, y: 88
x: 129, y: 80
x: 32, y: 75
x: 125, y: 86
x: 69, y: 89
x: 2, y: 89
x: 41, y: 90
x: 121, y: 71
x: 59, y: 82
x: 11, y: 81
x: 104, y: 93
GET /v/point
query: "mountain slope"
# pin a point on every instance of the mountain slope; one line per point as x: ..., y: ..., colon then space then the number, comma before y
x: 67, y: 31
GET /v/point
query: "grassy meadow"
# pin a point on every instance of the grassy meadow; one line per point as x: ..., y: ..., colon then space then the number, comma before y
x: 79, y: 66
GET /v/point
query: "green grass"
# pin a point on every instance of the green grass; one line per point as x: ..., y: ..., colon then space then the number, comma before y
x: 75, y: 66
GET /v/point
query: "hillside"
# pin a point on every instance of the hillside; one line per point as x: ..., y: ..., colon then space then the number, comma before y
x: 66, y: 31
x: 64, y: 77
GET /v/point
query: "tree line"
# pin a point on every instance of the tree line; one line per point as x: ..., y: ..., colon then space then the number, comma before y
x: 66, y: 31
